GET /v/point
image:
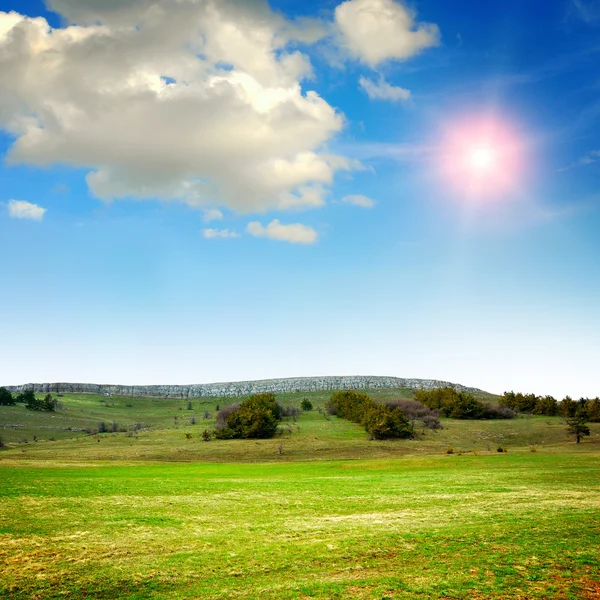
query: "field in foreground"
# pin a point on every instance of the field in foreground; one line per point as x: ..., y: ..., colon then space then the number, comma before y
x: 517, y: 525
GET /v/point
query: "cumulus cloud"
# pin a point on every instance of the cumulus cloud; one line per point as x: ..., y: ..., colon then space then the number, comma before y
x: 295, y: 233
x: 210, y: 234
x: 382, y: 90
x: 374, y: 31
x: 359, y: 200
x: 197, y: 101
x: 20, y: 209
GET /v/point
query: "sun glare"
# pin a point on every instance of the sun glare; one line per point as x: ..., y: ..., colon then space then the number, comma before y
x: 482, y: 158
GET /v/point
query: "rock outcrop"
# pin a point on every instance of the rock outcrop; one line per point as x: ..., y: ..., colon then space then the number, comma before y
x: 240, y: 388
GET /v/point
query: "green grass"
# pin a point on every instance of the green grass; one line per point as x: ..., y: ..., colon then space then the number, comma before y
x: 503, y: 526
x: 317, y: 512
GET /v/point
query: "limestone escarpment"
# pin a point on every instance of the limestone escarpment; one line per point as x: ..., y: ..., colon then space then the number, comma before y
x: 240, y: 388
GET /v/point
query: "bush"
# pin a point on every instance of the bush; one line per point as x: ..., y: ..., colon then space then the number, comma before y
x: 48, y: 404
x: 207, y: 435
x: 257, y: 417
x: 450, y: 450
x: 306, y: 405
x: 460, y: 405
x: 380, y: 421
x: 6, y: 398
x: 414, y: 410
x: 289, y: 411
x: 498, y: 412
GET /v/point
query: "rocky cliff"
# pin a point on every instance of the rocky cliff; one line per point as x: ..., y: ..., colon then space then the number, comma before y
x: 240, y: 388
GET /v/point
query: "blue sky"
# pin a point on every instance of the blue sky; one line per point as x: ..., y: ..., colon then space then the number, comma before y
x: 213, y: 191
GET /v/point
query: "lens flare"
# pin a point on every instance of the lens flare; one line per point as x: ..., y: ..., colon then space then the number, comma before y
x: 482, y: 158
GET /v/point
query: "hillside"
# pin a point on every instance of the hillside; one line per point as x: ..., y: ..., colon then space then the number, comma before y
x: 150, y: 429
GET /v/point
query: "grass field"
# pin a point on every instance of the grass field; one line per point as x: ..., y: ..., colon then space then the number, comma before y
x: 151, y: 514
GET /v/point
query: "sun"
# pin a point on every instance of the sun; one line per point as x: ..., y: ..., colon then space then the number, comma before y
x: 481, y: 158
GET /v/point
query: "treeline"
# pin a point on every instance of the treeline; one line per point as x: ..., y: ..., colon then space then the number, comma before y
x: 46, y: 404
x: 549, y: 406
x: 461, y: 405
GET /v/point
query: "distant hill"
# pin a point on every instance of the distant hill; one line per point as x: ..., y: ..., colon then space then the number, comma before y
x: 241, y: 388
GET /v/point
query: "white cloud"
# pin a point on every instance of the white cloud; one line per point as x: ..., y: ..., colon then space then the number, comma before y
x: 382, y: 90
x: 588, y: 159
x: 359, y: 200
x: 212, y: 214
x: 295, y: 233
x: 20, y: 209
x: 210, y: 234
x: 378, y: 30
x: 182, y: 100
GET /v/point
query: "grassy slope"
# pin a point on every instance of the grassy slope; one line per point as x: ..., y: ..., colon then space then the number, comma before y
x: 502, y: 526
x: 82, y: 518
x: 312, y: 437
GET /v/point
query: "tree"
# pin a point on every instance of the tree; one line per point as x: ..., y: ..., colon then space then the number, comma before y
x: 48, y: 404
x: 306, y: 404
x: 577, y: 425
x: 27, y: 397
x: 6, y: 398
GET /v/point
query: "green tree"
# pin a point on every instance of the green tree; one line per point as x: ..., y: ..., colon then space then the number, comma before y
x: 577, y: 425
x: 27, y: 397
x: 6, y: 398
x: 567, y: 407
x: 306, y: 404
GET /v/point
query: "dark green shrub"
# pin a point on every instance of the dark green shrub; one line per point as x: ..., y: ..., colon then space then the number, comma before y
x: 385, y: 422
x: 459, y: 405
x: 6, y: 398
x: 380, y: 421
x: 257, y: 417
x: 26, y: 397
x: 207, y: 435
x: 47, y: 404
x: 306, y: 405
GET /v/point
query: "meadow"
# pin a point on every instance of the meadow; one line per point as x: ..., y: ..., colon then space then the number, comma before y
x: 318, y: 512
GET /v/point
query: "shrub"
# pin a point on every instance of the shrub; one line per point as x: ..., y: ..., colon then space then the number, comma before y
x: 385, y: 422
x: 498, y: 412
x: 188, y: 436
x: 414, y: 410
x: 224, y: 413
x: 460, y: 405
x: 500, y: 449
x: 380, y: 421
x: 289, y: 411
x: 2, y: 444
x: 450, y: 450
x: 47, y: 404
x: 306, y: 405
x: 6, y: 398
x: 257, y: 417
x: 207, y: 435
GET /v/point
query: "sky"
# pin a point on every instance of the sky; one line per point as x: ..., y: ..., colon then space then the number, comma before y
x: 195, y: 191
